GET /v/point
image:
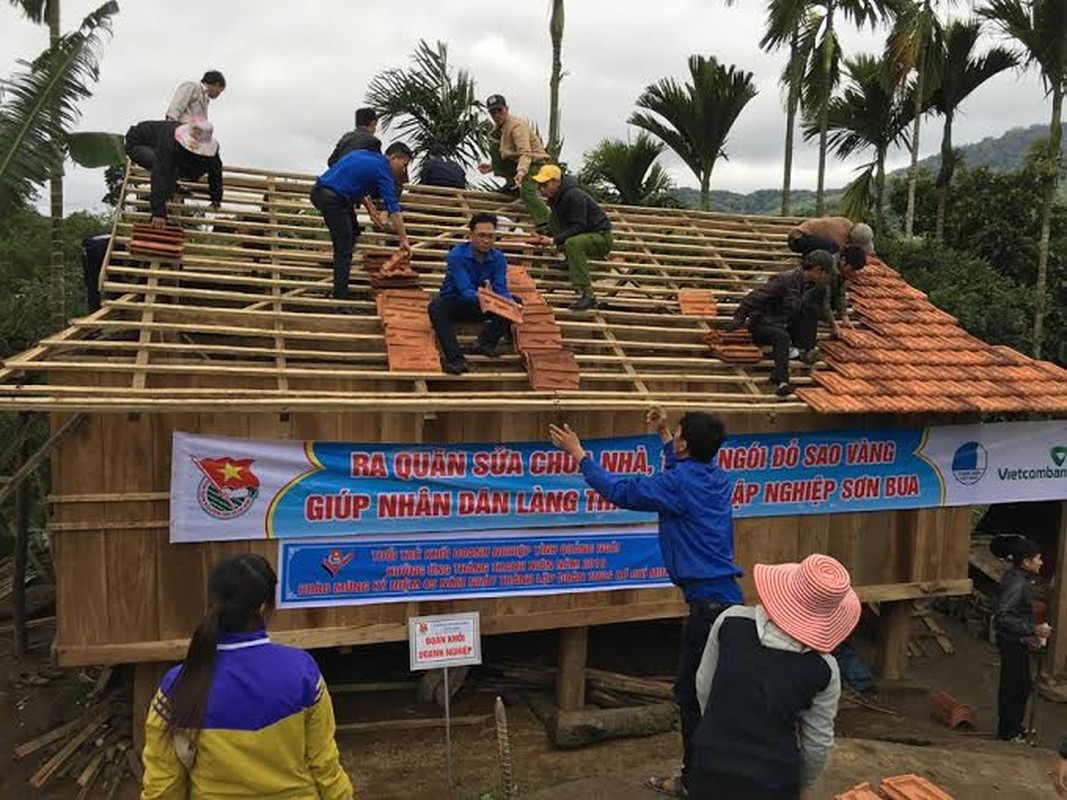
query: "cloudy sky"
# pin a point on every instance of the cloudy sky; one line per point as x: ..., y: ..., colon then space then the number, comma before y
x: 295, y: 72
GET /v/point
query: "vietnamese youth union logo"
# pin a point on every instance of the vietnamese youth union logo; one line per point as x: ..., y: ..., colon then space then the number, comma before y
x: 228, y: 488
x: 335, y: 562
x: 970, y: 463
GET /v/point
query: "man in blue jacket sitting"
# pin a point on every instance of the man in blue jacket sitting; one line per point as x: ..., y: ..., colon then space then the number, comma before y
x: 692, y: 497
x: 470, y: 265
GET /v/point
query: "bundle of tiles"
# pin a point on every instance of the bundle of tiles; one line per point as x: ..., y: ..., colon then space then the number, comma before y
x: 167, y: 242
x: 539, y: 339
x: 390, y: 270
x: 734, y: 347
x: 696, y: 303
x: 410, y: 343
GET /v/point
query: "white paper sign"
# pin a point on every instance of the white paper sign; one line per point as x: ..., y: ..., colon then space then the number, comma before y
x: 445, y: 640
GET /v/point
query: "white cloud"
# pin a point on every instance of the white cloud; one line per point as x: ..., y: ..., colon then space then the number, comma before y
x: 296, y: 72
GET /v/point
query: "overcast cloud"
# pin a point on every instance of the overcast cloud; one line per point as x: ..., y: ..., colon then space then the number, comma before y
x: 296, y: 71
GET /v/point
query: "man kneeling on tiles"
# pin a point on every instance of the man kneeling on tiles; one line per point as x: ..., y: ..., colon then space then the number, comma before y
x: 470, y: 265
x: 580, y: 228
x: 768, y: 686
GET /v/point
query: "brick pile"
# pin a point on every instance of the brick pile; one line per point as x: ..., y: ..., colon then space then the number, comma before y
x: 914, y: 358
x: 539, y: 339
x: 390, y: 270
x: 734, y: 347
x: 899, y: 787
x: 410, y: 343
x: 166, y: 243
x: 945, y: 709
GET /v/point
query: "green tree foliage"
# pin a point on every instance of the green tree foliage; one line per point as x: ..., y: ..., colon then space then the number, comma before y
x: 694, y: 118
x: 429, y: 105
x: 25, y: 237
x: 992, y: 219
x: 627, y: 172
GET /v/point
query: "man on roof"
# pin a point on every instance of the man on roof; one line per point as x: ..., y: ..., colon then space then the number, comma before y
x: 173, y: 151
x: 343, y: 186
x: 851, y: 241
x: 192, y: 98
x: 474, y: 263
x: 580, y: 228
x: 784, y: 313
x: 516, y: 153
x: 362, y: 137
x: 439, y: 170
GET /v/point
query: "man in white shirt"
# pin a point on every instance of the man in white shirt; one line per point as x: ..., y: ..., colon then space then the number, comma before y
x: 192, y: 98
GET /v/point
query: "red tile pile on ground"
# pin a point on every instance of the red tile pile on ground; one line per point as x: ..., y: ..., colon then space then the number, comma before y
x: 912, y: 787
x: 410, y: 343
x: 735, y: 347
x: 168, y: 242
x: 696, y: 303
x: 914, y: 358
x: 390, y: 269
x: 861, y: 792
x: 539, y: 338
x: 492, y: 303
x: 945, y: 709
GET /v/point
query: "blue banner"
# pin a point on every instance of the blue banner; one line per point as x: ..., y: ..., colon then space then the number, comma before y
x: 382, y: 570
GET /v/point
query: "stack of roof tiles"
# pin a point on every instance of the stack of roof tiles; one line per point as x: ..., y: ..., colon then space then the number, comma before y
x: 945, y: 709
x: 913, y: 357
x: 696, y: 303
x: 899, y: 787
x: 410, y: 343
x: 735, y: 347
x: 539, y: 338
x: 390, y: 270
x: 167, y: 242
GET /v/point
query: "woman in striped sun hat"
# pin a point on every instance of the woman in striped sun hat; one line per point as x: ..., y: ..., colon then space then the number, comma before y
x: 768, y: 686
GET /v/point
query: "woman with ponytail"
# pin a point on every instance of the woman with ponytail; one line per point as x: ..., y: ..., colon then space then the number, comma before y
x: 1016, y: 631
x: 242, y: 717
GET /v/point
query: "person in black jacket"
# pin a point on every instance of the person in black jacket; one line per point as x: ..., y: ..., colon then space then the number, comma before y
x: 1016, y: 632
x: 173, y: 151
x: 361, y: 138
x: 580, y: 227
x: 439, y: 170
x: 784, y: 313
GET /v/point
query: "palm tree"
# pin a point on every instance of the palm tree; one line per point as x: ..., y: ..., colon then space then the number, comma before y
x: 555, y: 30
x: 820, y: 75
x: 869, y: 114
x: 430, y: 106
x: 912, y: 46
x: 694, y: 119
x: 1040, y: 27
x: 627, y: 172
x: 960, y: 72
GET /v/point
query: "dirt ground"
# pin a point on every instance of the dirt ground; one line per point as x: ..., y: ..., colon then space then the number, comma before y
x: 411, y: 764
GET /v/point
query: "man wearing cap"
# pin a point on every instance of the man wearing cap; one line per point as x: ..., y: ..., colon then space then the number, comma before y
x: 581, y: 228
x: 516, y: 152
x: 693, y: 498
x: 361, y: 138
x: 192, y: 98
x: 359, y: 174
x: 768, y: 687
x: 784, y: 314
x: 174, y: 151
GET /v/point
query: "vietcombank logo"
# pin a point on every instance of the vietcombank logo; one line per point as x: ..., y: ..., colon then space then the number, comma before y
x: 1057, y: 456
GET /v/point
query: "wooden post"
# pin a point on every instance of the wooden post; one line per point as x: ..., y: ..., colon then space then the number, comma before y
x: 146, y: 680
x: 22, y: 540
x: 893, y: 633
x: 1058, y: 605
x: 570, y: 682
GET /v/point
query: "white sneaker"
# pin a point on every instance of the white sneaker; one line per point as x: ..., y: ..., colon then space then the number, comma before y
x: 794, y: 353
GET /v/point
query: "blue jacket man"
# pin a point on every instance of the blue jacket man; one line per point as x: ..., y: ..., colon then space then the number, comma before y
x: 356, y: 175
x: 692, y: 497
x: 470, y: 265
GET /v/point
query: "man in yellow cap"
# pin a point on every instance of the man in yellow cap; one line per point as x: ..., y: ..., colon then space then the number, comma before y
x: 516, y: 152
x: 580, y: 228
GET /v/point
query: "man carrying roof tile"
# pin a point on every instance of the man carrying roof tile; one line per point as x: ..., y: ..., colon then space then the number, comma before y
x: 516, y: 153
x: 784, y: 313
x: 174, y: 151
x: 850, y: 241
x: 580, y: 228
x: 337, y: 192
x: 470, y: 265
x: 362, y: 137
